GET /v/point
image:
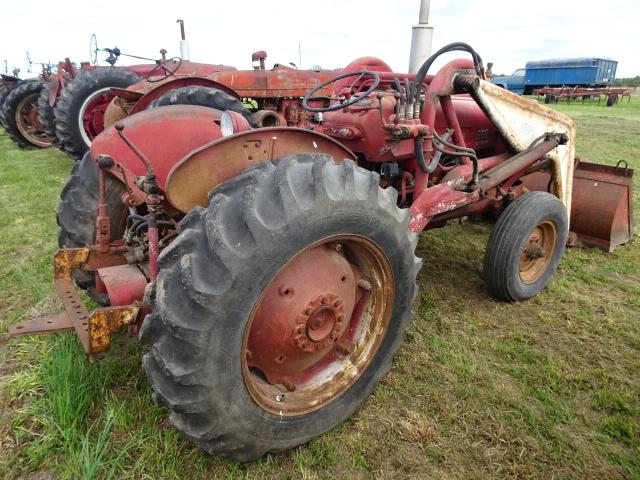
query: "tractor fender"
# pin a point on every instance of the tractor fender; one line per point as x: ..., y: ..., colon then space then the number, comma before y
x: 164, y: 134
x: 192, y: 178
x: 54, y: 90
x: 160, y: 88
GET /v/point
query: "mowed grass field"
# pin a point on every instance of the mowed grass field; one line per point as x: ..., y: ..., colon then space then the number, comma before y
x: 548, y: 388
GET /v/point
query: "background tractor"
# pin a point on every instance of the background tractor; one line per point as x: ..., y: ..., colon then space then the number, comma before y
x: 271, y: 270
x: 28, y: 110
x: 265, y: 97
x: 19, y: 110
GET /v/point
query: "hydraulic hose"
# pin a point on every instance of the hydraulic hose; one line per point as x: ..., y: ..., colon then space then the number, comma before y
x: 452, y: 47
x: 417, y: 145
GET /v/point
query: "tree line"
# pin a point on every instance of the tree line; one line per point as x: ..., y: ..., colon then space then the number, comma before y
x: 628, y: 81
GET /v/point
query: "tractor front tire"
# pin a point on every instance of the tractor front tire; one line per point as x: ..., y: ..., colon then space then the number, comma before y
x: 213, y: 343
x: 76, y: 118
x: 204, y: 97
x: 45, y: 110
x: 77, y: 213
x: 18, y: 110
x: 526, y: 246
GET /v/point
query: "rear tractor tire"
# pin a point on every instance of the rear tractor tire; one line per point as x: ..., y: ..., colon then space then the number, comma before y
x: 526, y: 246
x: 20, y: 116
x: 280, y: 306
x: 80, y: 109
x: 45, y: 110
x: 204, y: 97
x: 77, y: 212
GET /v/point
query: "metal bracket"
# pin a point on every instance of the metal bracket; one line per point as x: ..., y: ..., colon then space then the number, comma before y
x: 94, y: 329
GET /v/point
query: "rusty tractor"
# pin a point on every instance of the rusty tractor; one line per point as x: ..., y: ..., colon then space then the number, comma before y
x: 80, y: 107
x: 28, y: 111
x: 272, y: 270
x: 19, y: 110
x: 273, y: 96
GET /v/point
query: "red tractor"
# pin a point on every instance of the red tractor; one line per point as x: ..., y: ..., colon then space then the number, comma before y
x: 265, y: 97
x: 80, y: 107
x: 272, y: 271
x: 28, y: 110
x: 19, y: 110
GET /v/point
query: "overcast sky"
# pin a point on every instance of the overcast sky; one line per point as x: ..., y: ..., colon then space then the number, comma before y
x: 331, y: 33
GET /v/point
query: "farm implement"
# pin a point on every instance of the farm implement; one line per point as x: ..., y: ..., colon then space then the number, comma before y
x: 612, y: 95
x: 271, y: 271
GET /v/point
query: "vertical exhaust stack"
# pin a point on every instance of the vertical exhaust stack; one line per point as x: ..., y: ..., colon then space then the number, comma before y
x: 184, y: 45
x: 421, y: 38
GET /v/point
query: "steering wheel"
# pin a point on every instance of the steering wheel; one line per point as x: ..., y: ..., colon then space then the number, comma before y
x: 93, y: 49
x: 161, y: 67
x: 350, y: 101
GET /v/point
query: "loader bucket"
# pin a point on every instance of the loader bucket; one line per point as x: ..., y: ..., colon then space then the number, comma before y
x: 601, y: 206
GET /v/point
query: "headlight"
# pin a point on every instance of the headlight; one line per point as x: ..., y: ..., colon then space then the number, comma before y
x: 233, y: 122
x: 226, y: 124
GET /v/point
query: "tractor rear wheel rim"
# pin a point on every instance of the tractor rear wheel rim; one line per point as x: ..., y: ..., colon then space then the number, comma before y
x: 537, y: 252
x: 91, y: 114
x: 28, y: 121
x: 317, y: 325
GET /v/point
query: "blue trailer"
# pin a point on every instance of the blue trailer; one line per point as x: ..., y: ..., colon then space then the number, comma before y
x: 574, y: 72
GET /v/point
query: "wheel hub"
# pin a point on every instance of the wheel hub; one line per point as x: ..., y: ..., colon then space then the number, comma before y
x: 28, y: 122
x: 317, y: 325
x: 302, y: 316
x: 320, y: 323
x: 537, y: 252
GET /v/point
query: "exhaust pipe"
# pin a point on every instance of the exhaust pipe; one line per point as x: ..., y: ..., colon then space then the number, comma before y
x: 184, y: 45
x: 421, y: 38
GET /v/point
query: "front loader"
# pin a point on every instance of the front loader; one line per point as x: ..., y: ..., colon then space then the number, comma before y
x: 271, y: 271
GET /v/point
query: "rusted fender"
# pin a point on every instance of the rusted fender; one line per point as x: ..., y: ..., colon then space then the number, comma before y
x: 164, y: 134
x: 139, y: 96
x: 156, y: 90
x: 191, y: 179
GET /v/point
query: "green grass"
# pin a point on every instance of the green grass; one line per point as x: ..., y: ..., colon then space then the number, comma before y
x: 548, y: 388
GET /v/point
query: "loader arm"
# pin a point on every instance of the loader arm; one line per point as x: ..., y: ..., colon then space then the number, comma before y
x: 598, y: 198
x: 520, y: 121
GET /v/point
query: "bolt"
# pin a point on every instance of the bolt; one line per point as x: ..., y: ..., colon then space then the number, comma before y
x: 280, y: 397
x: 338, y: 247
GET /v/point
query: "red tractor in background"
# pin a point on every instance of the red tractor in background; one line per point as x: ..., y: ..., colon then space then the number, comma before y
x: 28, y: 110
x: 81, y: 113
x: 19, y: 110
x: 272, y: 271
x: 80, y: 109
x: 272, y: 97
